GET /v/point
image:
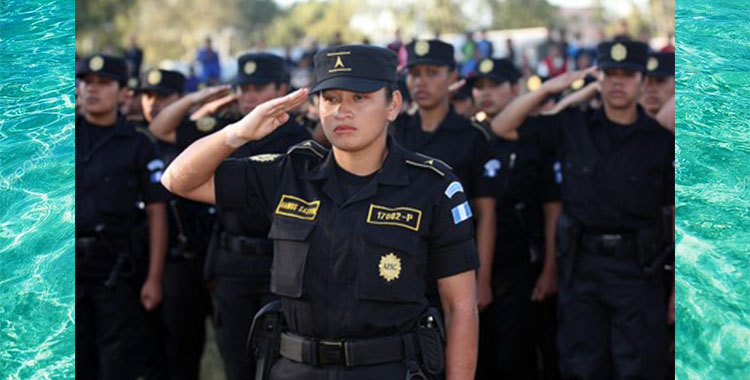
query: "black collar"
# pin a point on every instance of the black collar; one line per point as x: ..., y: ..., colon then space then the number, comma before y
x: 393, y: 172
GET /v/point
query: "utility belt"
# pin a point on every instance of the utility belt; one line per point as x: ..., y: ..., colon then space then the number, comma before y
x: 646, y: 245
x: 245, y: 245
x: 349, y: 353
x: 611, y: 245
x: 422, y: 350
x: 103, y: 257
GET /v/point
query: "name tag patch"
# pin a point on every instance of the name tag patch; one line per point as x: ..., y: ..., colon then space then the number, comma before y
x: 297, y: 208
x: 400, y: 216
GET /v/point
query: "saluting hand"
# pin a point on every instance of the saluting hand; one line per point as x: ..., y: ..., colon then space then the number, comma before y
x: 456, y: 86
x: 208, y: 94
x: 265, y: 118
x: 563, y: 81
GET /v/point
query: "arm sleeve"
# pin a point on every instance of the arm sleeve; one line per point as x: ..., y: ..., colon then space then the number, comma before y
x: 150, y: 169
x: 485, y: 171
x: 551, y: 179
x: 246, y: 183
x: 451, y: 240
x: 544, y: 130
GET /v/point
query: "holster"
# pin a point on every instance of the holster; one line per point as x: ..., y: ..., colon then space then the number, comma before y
x: 431, y: 336
x: 567, y: 238
x: 265, y: 337
x: 651, y: 250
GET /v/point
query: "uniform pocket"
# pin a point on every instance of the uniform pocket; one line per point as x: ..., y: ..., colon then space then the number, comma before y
x: 290, y: 248
x: 389, y: 269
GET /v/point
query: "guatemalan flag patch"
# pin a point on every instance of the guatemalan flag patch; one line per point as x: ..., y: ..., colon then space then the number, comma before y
x: 461, y: 212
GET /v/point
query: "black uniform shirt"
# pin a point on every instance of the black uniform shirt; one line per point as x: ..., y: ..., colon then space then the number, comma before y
x: 114, y: 169
x: 457, y: 142
x: 617, y: 188
x: 528, y: 177
x: 355, y: 267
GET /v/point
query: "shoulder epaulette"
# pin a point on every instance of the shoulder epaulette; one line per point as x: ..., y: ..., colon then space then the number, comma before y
x: 426, y: 162
x: 480, y: 122
x: 309, y: 146
x: 265, y: 157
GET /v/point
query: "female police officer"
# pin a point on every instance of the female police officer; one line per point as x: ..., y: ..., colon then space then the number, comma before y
x: 357, y: 230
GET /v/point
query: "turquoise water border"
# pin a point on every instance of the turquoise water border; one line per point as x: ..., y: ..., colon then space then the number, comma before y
x: 713, y: 189
x: 37, y: 169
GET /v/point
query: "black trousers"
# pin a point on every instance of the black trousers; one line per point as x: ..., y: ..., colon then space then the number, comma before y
x: 285, y: 369
x: 612, y: 321
x: 179, y: 325
x: 109, y: 331
x: 516, y: 335
x: 236, y: 300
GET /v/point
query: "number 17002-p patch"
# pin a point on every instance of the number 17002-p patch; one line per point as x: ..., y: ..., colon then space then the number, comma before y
x: 399, y: 216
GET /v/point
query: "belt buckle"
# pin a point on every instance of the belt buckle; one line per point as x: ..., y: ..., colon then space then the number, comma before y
x: 609, y: 243
x: 331, y: 352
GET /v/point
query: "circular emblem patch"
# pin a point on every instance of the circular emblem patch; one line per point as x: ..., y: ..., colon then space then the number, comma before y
x: 577, y: 84
x: 534, y: 83
x: 618, y: 52
x: 390, y: 267
x: 422, y: 48
x: 206, y: 124
x: 250, y: 67
x: 133, y: 83
x: 154, y: 77
x: 486, y: 66
x: 652, y: 64
x: 96, y: 63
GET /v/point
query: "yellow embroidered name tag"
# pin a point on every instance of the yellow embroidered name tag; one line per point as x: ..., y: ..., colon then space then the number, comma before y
x: 400, y: 216
x: 297, y: 208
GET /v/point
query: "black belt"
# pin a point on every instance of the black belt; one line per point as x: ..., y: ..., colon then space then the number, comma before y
x: 349, y: 353
x: 245, y: 245
x: 613, y: 245
x: 88, y: 246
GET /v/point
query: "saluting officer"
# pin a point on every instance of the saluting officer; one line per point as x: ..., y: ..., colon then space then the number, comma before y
x: 520, y: 320
x: 240, y: 260
x: 115, y: 167
x: 438, y: 131
x: 356, y: 230
x: 618, y: 175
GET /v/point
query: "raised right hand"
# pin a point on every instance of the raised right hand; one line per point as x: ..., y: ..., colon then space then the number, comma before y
x: 563, y: 81
x: 208, y: 94
x: 265, y: 118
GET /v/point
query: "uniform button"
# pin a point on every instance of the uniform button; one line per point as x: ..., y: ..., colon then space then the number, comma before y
x: 106, y: 179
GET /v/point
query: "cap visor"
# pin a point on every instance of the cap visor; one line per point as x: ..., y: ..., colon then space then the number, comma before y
x: 101, y: 74
x: 500, y: 79
x: 659, y: 74
x: 428, y: 61
x: 621, y: 65
x: 161, y: 90
x: 349, y: 84
x: 240, y: 80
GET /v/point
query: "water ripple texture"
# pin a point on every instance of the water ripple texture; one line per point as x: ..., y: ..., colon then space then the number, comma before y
x: 37, y: 169
x: 713, y: 189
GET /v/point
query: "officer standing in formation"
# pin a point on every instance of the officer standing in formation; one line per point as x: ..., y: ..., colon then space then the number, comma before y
x: 115, y: 168
x: 240, y: 260
x: 657, y: 96
x: 520, y: 320
x: 179, y: 326
x: 437, y: 131
x: 618, y: 168
x: 356, y: 230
